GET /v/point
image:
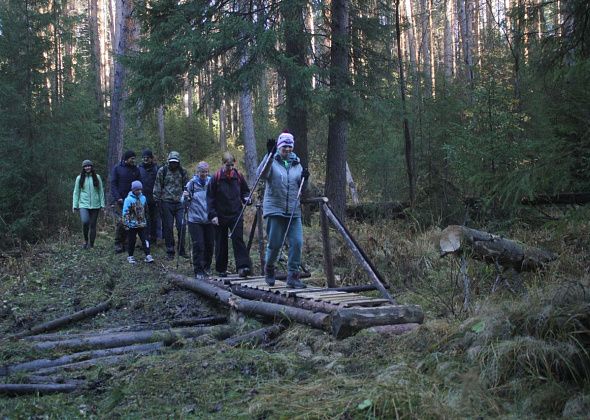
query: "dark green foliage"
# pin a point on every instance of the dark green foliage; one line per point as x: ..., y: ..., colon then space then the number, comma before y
x: 44, y: 137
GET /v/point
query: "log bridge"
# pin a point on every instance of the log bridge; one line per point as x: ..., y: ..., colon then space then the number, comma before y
x: 339, y: 310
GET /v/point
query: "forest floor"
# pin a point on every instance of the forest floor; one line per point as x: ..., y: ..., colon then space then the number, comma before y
x: 508, y: 355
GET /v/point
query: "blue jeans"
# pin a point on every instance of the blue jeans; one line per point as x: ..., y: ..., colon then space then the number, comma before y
x: 276, y: 226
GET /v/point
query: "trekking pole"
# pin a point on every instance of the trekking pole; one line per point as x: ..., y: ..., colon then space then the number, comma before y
x: 291, y: 217
x: 181, y: 236
x: 266, y: 160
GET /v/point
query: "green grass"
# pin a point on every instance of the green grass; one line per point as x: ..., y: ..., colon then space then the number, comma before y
x: 507, y: 356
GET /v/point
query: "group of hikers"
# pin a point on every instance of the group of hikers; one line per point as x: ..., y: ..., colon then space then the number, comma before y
x: 212, y: 205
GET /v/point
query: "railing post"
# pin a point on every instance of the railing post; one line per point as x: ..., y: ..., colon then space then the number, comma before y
x: 328, y: 266
x: 260, y: 236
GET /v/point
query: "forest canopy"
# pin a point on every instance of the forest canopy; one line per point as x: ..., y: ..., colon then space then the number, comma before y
x: 437, y: 103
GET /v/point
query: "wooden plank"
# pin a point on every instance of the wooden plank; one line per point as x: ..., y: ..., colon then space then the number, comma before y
x: 246, y: 280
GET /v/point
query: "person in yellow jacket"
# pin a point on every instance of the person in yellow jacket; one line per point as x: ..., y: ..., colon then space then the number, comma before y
x: 88, y: 199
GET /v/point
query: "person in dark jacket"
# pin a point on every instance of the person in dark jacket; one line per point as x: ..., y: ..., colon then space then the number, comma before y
x: 148, y: 170
x: 227, y: 193
x: 170, y: 182
x: 122, y: 176
x: 199, y: 226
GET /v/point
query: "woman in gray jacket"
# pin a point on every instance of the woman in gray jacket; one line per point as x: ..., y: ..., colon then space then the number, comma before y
x: 281, y: 203
x: 199, y: 226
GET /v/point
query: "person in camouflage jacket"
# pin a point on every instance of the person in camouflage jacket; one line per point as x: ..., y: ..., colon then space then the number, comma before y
x: 168, y: 188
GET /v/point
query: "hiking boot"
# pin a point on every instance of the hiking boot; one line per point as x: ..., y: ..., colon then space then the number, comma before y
x: 131, y: 259
x: 149, y: 258
x: 294, y: 282
x: 269, y: 275
x: 244, y: 272
x: 85, y: 246
x: 222, y: 274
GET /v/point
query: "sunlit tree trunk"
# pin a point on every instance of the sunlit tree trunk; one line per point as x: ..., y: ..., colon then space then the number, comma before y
x: 187, y: 97
x: 449, y: 56
x: 223, y: 125
x: 338, y: 121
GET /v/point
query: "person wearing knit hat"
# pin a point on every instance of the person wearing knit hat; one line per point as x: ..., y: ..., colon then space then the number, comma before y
x: 285, y: 140
x: 148, y: 170
x: 122, y: 175
x: 284, y: 175
x: 168, y: 192
x: 228, y: 191
x: 88, y: 199
x: 199, y: 226
x: 135, y: 222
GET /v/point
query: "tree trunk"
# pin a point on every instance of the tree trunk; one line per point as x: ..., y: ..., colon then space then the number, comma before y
x: 188, y: 97
x: 271, y: 310
x: 254, y: 338
x: 351, y: 185
x: 493, y: 249
x: 408, y: 144
x: 22, y: 389
x: 35, y: 365
x: 127, y: 338
x: 223, y: 125
x: 338, y: 120
x: 296, y: 77
x: 65, y: 320
x: 348, y: 321
x: 117, y: 126
x: 96, y: 55
x: 161, y: 129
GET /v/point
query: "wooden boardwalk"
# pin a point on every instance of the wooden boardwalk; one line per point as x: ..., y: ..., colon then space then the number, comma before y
x: 312, y: 293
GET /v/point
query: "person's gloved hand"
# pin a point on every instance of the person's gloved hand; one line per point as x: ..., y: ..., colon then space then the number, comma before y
x: 247, y: 202
x: 215, y: 221
x: 271, y: 146
x: 305, y: 174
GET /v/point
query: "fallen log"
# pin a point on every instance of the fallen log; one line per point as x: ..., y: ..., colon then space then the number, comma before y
x: 348, y: 321
x: 59, y: 322
x: 103, y: 361
x: 262, y: 335
x: 22, y: 389
x: 210, y: 320
x: 307, y: 304
x: 559, y: 198
x: 375, y: 212
x: 128, y: 338
x: 271, y: 310
x: 398, y: 329
x: 34, y: 365
x: 493, y: 249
